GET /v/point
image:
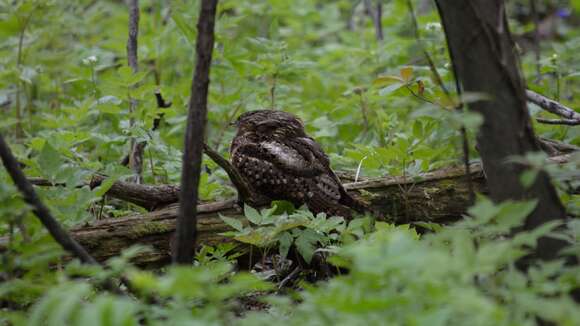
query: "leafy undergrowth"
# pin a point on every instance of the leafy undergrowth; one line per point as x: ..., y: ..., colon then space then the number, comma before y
x: 462, y: 274
x: 374, y: 106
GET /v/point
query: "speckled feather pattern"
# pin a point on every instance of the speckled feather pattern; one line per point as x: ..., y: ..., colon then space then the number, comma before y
x: 272, y: 151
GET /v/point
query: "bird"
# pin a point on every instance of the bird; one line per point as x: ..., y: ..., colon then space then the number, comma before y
x: 276, y: 157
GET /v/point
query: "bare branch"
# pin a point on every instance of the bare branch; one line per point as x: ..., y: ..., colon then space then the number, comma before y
x: 568, y: 122
x: 245, y: 192
x: 194, y: 134
x: 537, y: 48
x: 552, y: 106
x: 39, y: 209
x: 147, y: 196
x: 376, y: 17
x: 350, y: 19
x: 133, y: 34
x: 135, y: 157
x: 162, y: 104
x: 378, y: 21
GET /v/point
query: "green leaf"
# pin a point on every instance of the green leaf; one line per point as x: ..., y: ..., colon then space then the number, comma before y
x: 102, y: 189
x: 484, y: 209
x: 233, y: 222
x: 513, y: 214
x: 136, y: 78
x: 274, y: 29
x: 252, y: 214
x: 391, y: 88
x: 185, y: 29
x: 306, y: 243
x: 383, y: 81
x: 49, y: 161
x: 528, y: 177
x: 576, y: 5
x: 285, y: 239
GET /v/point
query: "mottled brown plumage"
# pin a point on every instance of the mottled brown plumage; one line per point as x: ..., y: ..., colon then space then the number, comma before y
x: 280, y: 161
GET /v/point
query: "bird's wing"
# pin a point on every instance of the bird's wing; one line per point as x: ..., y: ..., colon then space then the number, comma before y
x: 295, y: 161
x: 333, y: 184
x: 296, y: 169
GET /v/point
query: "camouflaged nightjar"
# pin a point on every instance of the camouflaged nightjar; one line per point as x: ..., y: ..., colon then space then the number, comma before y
x: 273, y: 153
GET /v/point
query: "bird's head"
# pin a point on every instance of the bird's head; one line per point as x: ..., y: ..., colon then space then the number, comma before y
x: 271, y: 123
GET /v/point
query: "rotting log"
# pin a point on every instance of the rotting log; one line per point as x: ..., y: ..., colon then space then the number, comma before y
x: 152, y: 197
x: 441, y: 196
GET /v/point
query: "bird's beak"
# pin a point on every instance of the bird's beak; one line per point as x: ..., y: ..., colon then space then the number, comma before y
x: 233, y: 123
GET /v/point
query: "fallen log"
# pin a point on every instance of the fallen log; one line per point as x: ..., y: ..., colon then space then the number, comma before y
x: 152, y: 197
x: 441, y: 196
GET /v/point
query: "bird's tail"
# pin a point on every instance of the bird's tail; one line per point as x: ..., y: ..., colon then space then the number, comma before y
x: 356, y: 204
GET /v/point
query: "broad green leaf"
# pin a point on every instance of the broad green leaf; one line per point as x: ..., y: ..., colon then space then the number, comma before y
x: 528, y: 177
x: 513, y: 214
x: 187, y: 31
x: 233, y: 222
x: 49, y: 160
x: 306, y: 244
x: 102, y: 189
x: 391, y: 88
x: 136, y: 78
x: 285, y: 240
x: 383, y: 81
x: 252, y: 214
x: 255, y: 238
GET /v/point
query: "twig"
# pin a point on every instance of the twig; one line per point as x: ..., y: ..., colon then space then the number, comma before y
x: 162, y: 104
x: 364, y: 109
x: 197, y: 114
x: 245, y: 192
x: 537, y: 49
x: 376, y: 17
x: 379, y: 21
x: 18, y: 126
x: 153, y: 197
x: 350, y: 19
x: 419, y: 97
x: 552, y: 106
x: 568, y: 122
x: 136, y: 150
x: 290, y: 277
x: 273, y: 91
x: 133, y: 34
x: 39, y: 209
x: 136, y: 160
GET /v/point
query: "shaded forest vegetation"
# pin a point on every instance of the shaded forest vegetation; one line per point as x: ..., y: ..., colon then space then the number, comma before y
x: 455, y: 123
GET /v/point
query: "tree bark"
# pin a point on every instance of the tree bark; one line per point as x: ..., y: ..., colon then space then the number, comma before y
x: 194, y: 136
x: 484, y: 61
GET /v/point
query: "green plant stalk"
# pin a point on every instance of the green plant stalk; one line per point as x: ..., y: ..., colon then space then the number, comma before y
x: 19, y: 132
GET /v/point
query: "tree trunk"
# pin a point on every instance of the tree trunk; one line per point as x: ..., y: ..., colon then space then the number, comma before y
x: 183, y: 250
x: 484, y: 61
